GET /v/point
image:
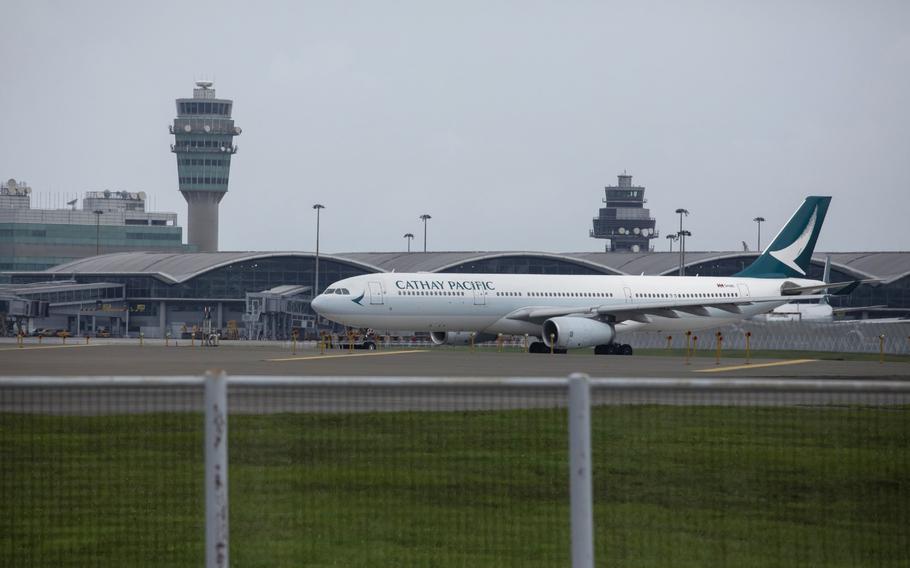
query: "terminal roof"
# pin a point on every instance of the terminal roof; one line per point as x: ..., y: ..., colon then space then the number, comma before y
x: 180, y: 267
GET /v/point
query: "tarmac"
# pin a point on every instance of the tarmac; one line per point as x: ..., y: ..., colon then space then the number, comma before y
x: 117, y: 357
x: 100, y: 358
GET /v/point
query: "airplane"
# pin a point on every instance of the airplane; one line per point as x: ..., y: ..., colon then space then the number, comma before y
x: 562, y: 312
x: 820, y: 311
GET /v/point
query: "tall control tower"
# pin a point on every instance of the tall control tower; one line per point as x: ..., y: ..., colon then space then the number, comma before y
x: 204, y: 135
x: 624, y: 220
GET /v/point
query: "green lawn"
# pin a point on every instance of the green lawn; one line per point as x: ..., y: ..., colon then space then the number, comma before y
x: 674, y: 486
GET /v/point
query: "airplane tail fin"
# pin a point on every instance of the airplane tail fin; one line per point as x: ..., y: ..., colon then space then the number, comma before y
x: 826, y: 278
x: 789, y: 253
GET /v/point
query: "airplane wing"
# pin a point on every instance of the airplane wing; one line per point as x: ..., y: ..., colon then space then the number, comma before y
x: 838, y: 288
x: 858, y: 309
x: 641, y: 311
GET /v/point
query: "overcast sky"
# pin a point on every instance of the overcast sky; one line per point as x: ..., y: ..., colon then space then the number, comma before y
x: 502, y: 120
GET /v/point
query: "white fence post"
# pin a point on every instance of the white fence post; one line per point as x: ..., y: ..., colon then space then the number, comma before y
x: 216, y: 473
x: 582, y: 513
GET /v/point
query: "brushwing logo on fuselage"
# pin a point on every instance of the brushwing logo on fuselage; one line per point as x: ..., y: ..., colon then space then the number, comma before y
x: 790, y: 253
x: 358, y: 299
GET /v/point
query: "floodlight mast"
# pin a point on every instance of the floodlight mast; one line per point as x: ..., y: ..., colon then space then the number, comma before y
x: 759, y: 221
x: 98, y: 213
x: 682, y: 240
x: 425, y: 217
x: 318, y: 207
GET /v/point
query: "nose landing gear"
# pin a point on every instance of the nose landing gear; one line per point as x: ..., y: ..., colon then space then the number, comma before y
x: 541, y: 347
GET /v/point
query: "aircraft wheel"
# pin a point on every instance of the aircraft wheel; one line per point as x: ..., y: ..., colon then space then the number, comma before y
x: 625, y: 349
x: 605, y: 349
x: 369, y: 346
x: 538, y: 347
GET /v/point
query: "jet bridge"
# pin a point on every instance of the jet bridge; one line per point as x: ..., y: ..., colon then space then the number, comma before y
x: 274, y: 314
x: 78, y: 308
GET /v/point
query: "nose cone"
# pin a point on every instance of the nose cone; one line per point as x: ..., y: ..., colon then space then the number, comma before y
x: 319, y: 303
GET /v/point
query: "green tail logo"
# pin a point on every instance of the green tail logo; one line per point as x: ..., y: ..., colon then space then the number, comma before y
x: 789, y: 253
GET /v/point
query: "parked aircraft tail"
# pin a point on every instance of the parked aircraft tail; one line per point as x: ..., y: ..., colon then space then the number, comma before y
x: 789, y: 253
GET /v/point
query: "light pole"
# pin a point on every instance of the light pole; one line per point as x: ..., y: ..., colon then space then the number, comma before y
x: 318, y: 207
x: 672, y: 237
x: 98, y: 213
x: 409, y: 236
x: 682, y: 249
x: 682, y: 239
x: 424, y: 218
x: 759, y: 220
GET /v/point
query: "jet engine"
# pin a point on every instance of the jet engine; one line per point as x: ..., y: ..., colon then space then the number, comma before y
x: 459, y: 337
x: 572, y: 332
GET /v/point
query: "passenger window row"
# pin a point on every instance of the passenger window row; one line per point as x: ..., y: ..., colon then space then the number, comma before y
x: 688, y: 295
x: 571, y: 294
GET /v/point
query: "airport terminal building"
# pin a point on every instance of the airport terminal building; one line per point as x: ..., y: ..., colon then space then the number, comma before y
x: 108, y: 221
x: 167, y: 292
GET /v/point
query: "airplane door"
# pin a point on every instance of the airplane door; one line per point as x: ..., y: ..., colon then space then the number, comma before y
x: 375, y: 293
x: 744, y: 290
x: 628, y: 292
x: 480, y: 299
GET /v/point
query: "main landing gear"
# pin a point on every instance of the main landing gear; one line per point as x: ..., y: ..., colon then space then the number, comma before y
x: 613, y: 349
x: 608, y: 349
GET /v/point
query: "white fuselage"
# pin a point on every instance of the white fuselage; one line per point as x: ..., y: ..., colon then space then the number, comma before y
x: 799, y: 312
x: 482, y: 302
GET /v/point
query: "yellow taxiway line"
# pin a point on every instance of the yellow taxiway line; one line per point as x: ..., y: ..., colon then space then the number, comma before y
x: 312, y: 357
x: 756, y: 366
x: 50, y: 347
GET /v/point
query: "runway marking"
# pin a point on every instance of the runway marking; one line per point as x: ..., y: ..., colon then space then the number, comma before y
x: 49, y: 347
x: 756, y: 366
x: 309, y: 357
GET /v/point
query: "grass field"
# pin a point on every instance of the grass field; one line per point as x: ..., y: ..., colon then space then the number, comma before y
x: 680, y: 486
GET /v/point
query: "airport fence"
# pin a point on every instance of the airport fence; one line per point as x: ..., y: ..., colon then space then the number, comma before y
x: 412, y: 471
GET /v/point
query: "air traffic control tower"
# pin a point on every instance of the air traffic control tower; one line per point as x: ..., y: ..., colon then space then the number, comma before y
x: 624, y: 220
x: 204, y: 135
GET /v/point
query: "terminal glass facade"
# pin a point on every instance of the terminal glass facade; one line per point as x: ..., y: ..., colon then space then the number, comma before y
x: 524, y: 264
x: 230, y: 282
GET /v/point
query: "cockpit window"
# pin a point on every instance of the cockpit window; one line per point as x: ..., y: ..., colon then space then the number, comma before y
x: 329, y: 291
x: 342, y: 291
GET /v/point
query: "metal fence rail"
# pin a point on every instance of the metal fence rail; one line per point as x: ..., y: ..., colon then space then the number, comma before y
x: 653, y: 469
